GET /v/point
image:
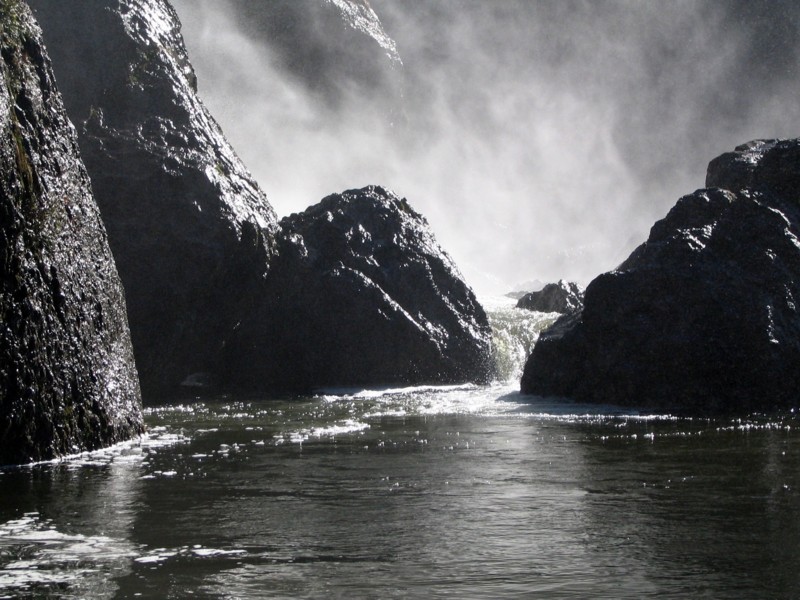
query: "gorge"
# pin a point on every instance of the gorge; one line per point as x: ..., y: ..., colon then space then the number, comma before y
x: 197, y: 242
x: 327, y: 408
x: 355, y: 291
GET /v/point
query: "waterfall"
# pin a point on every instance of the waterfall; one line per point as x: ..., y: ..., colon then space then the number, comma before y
x: 514, y: 333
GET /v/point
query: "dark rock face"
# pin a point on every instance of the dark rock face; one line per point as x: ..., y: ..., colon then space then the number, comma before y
x: 219, y: 295
x: 336, y: 48
x: 769, y: 166
x: 187, y: 224
x: 362, y: 295
x: 703, y: 316
x: 561, y: 297
x: 67, y: 377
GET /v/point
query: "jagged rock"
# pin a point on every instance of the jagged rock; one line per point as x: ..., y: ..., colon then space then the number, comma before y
x: 188, y: 226
x: 561, y: 297
x: 362, y: 295
x: 771, y: 166
x: 67, y: 377
x: 220, y: 296
x: 703, y: 316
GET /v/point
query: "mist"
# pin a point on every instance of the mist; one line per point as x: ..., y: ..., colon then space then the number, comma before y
x: 541, y: 140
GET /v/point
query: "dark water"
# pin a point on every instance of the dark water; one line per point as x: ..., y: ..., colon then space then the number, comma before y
x: 461, y: 493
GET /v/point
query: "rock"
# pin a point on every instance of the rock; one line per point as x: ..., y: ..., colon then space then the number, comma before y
x: 187, y: 224
x: 770, y: 166
x: 561, y: 297
x: 219, y: 295
x: 67, y: 377
x: 526, y: 287
x: 361, y: 295
x: 337, y: 49
x: 703, y: 316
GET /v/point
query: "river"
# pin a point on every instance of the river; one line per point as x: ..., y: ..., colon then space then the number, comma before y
x: 459, y: 492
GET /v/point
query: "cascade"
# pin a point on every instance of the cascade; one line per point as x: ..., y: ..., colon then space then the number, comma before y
x: 514, y: 333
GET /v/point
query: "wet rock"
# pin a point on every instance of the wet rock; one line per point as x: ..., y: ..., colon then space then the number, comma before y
x: 187, y: 224
x: 67, y: 377
x: 562, y: 297
x: 770, y: 166
x: 337, y: 49
x: 219, y: 295
x: 703, y: 316
x: 361, y: 294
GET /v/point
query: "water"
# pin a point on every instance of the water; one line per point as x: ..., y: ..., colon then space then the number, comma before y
x: 462, y: 492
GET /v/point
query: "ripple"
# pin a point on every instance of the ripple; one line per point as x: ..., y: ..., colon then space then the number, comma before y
x: 34, y: 554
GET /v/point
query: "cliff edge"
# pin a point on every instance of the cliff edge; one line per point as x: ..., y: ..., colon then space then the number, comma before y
x: 67, y: 376
x: 187, y: 223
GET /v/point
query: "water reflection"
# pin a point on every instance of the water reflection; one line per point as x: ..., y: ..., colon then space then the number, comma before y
x: 697, y: 508
x: 460, y: 492
x: 419, y: 505
x: 66, y: 527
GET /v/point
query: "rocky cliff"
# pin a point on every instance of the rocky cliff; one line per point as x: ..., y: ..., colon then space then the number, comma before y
x: 187, y: 223
x: 67, y: 376
x: 219, y: 295
x: 703, y: 315
x: 362, y: 294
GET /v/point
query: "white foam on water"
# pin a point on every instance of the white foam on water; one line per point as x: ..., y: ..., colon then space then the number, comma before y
x: 346, y: 427
x: 161, y: 555
x: 129, y: 451
x: 40, y: 555
x: 337, y: 394
x: 216, y: 552
x: 492, y: 400
x: 36, y: 555
x: 350, y: 426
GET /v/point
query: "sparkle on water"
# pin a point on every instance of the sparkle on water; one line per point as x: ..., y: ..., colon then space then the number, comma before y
x: 458, y: 491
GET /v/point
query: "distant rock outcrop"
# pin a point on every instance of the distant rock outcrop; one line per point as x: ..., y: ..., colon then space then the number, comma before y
x: 189, y: 227
x: 67, y: 376
x: 361, y: 294
x: 704, y: 315
x: 562, y: 297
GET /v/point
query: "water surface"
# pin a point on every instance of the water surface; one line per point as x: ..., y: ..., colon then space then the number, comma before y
x: 458, y: 492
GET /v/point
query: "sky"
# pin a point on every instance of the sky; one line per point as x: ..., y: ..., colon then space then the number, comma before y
x: 540, y: 138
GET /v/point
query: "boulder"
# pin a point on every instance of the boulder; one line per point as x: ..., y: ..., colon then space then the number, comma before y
x: 361, y: 294
x: 562, y: 297
x: 703, y: 316
x: 220, y: 296
x: 187, y: 224
x: 67, y: 377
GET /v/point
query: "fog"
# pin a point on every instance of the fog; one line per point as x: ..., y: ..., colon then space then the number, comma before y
x: 541, y: 139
